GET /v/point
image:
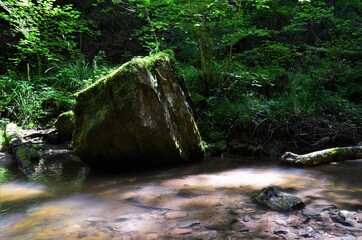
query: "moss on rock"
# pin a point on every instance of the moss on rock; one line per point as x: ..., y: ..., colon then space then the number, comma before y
x: 65, y: 125
x: 139, y: 113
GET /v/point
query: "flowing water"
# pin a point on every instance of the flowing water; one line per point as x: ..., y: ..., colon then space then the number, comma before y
x: 198, y: 201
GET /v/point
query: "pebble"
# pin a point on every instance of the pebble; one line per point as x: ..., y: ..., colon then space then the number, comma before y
x: 180, y: 231
x: 189, y: 224
x: 306, y: 232
x: 281, y: 230
x: 245, y: 218
x: 175, y: 214
x: 152, y: 236
x: 281, y: 222
x: 348, y: 238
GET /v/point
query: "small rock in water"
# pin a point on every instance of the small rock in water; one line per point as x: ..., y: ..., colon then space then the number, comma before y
x: 82, y: 235
x: 152, y: 236
x: 349, y: 238
x: 246, y: 218
x: 239, y: 227
x: 306, y: 232
x: 277, y: 200
x: 182, y: 231
x: 281, y: 222
x: 347, y: 216
x: 189, y: 224
x: 316, y: 210
x: 175, y: 214
x: 281, y: 230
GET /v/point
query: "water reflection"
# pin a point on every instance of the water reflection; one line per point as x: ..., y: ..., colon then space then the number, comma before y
x: 155, y: 204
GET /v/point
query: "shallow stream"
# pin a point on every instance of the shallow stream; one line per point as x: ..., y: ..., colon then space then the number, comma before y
x: 206, y: 200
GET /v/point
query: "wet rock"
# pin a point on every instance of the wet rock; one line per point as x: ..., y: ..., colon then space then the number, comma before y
x: 221, y: 222
x: 347, y: 216
x: 237, y: 147
x: 152, y: 236
x: 256, y: 216
x: 281, y: 222
x: 239, y: 227
x: 246, y: 218
x: 348, y: 238
x: 217, y: 148
x: 306, y: 232
x: 189, y: 193
x: 315, y: 210
x: 82, y: 235
x: 348, y: 228
x: 181, y: 231
x: 175, y: 214
x: 277, y: 200
x: 121, y: 219
x: 137, y: 115
x: 189, y: 224
x: 281, y: 230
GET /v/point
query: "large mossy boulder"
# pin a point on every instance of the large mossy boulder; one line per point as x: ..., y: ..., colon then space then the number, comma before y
x: 138, y: 114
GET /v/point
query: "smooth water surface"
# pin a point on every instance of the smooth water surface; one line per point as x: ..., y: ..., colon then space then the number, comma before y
x: 170, y: 203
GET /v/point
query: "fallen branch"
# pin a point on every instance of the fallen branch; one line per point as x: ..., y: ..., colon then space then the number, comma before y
x: 41, y: 133
x: 18, y: 145
x: 24, y: 154
x: 323, y: 157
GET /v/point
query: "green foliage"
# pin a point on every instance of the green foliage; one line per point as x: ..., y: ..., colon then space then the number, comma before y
x: 31, y: 104
x: 44, y: 30
x: 250, y: 65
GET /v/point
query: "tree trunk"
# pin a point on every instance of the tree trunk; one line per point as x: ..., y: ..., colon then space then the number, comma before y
x: 24, y: 154
x: 323, y: 157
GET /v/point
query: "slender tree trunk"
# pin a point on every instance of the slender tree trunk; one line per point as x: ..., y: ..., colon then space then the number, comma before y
x: 205, y: 79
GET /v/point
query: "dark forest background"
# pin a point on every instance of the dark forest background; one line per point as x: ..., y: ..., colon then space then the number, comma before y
x: 258, y: 70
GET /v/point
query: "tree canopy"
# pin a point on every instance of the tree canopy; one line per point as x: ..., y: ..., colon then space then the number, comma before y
x: 256, y: 69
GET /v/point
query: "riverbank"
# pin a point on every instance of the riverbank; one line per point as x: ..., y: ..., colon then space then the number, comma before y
x: 206, y: 200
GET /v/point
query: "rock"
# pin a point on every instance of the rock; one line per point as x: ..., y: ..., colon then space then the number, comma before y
x: 306, y: 232
x: 348, y: 238
x: 239, y: 227
x: 189, y: 224
x: 137, y: 115
x: 181, y: 231
x: 237, y: 147
x: 246, y: 218
x: 175, y: 214
x: 347, y: 216
x: 277, y: 200
x: 281, y: 230
x: 315, y: 210
x: 223, y: 222
x: 281, y: 222
x: 217, y: 148
x: 65, y: 125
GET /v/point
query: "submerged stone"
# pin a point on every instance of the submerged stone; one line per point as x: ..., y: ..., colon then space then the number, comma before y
x: 138, y: 114
x: 277, y: 200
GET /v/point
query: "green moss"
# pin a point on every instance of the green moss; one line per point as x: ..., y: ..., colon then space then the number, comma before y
x: 22, y: 155
x: 4, y: 175
x: 69, y: 115
x: 128, y: 70
x: 12, y: 131
x: 2, y: 139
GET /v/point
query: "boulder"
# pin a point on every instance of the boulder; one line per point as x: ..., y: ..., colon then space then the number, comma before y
x: 65, y: 125
x: 277, y: 200
x: 138, y: 114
